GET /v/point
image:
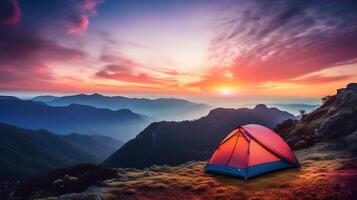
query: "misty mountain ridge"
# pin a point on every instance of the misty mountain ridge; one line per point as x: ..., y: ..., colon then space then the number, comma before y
x: 26, y: 152
x: 121, y: 124
x: 160, y: 108
x: 8, y: 97
x: 44, y: 98
x: 99, y: 146
x: 178, y: 142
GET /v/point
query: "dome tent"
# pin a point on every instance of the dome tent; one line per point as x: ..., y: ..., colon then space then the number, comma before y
x: 251, y: 150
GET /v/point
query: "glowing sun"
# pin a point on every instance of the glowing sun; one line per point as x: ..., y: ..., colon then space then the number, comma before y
x: 226, y: 91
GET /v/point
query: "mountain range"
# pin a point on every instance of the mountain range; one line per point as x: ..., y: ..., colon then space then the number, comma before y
x: 178, y: 142
x: 160, y: 109
x: 325, y: 139
x: 26, y: 152
x: 121, y: 124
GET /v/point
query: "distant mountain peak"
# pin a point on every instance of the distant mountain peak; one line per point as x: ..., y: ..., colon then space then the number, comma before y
x: 97, y: 95
x: 128, y: 111
x: 261, y: 106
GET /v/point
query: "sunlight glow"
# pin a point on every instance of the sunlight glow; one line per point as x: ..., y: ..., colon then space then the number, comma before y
x: 226, y: 91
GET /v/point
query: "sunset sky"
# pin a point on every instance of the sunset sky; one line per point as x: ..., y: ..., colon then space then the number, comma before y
x: 247, y: 49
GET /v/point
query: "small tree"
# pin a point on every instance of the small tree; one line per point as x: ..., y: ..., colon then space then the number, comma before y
x: 302, y: 113
x: 325, y: 99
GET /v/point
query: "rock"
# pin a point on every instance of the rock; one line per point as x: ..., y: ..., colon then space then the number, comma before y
x: 92, y: 193
x: 80, y: 196
x: 352, y: 86
x: 337, y: 126
x: 58, y: 182
x: 347, y: 97
x: 301, y: 144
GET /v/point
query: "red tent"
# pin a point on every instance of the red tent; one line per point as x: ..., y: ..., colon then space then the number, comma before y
x: 251, y: 150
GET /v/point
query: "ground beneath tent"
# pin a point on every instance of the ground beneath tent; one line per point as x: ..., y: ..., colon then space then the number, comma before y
x: 325, y: 174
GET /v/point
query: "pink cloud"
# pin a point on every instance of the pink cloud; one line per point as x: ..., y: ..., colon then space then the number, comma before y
x: 124, y: 69
x: 90, y: 6
x: 25, y: 57
x: 77, y: 24
x: 125, y: 73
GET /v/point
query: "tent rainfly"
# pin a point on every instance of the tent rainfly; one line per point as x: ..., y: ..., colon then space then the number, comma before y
x: 251, y: 150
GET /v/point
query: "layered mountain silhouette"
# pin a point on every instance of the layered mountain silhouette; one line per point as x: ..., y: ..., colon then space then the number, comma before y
x: 26, y: 152
x: 121, y: 124
x: 161, y: 108
x: 178, y: 142
x: 335, y: 118
x: 8, y: 97
x: 44, y: 98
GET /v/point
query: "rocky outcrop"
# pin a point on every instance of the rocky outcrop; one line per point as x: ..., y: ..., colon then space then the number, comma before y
x: 352, y: 86
x: 337, y: 117
x: 347, y: 97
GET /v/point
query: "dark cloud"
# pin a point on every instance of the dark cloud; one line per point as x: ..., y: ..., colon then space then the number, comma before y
x: 279, y: 40
x: 63, y: 16
x: 24, y: 54
x: 119, y: 60
x: 18, y: 45
x: 9, y: 11
x: 125, y: 74
x: 121, y: 68
x: 288, y: 13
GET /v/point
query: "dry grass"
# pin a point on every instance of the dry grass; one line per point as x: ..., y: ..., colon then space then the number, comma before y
x: 324, y: 174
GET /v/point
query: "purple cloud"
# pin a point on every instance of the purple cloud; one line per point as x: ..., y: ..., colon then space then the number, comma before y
x: 9, y: 11
x: 77, y: 24
x: 79, y: 21
x: 24, y: 54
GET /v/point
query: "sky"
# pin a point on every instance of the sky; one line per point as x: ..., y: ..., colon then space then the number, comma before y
x: 256, y: 49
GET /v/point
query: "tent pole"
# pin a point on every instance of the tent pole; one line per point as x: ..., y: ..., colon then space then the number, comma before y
x: 247, y: 161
